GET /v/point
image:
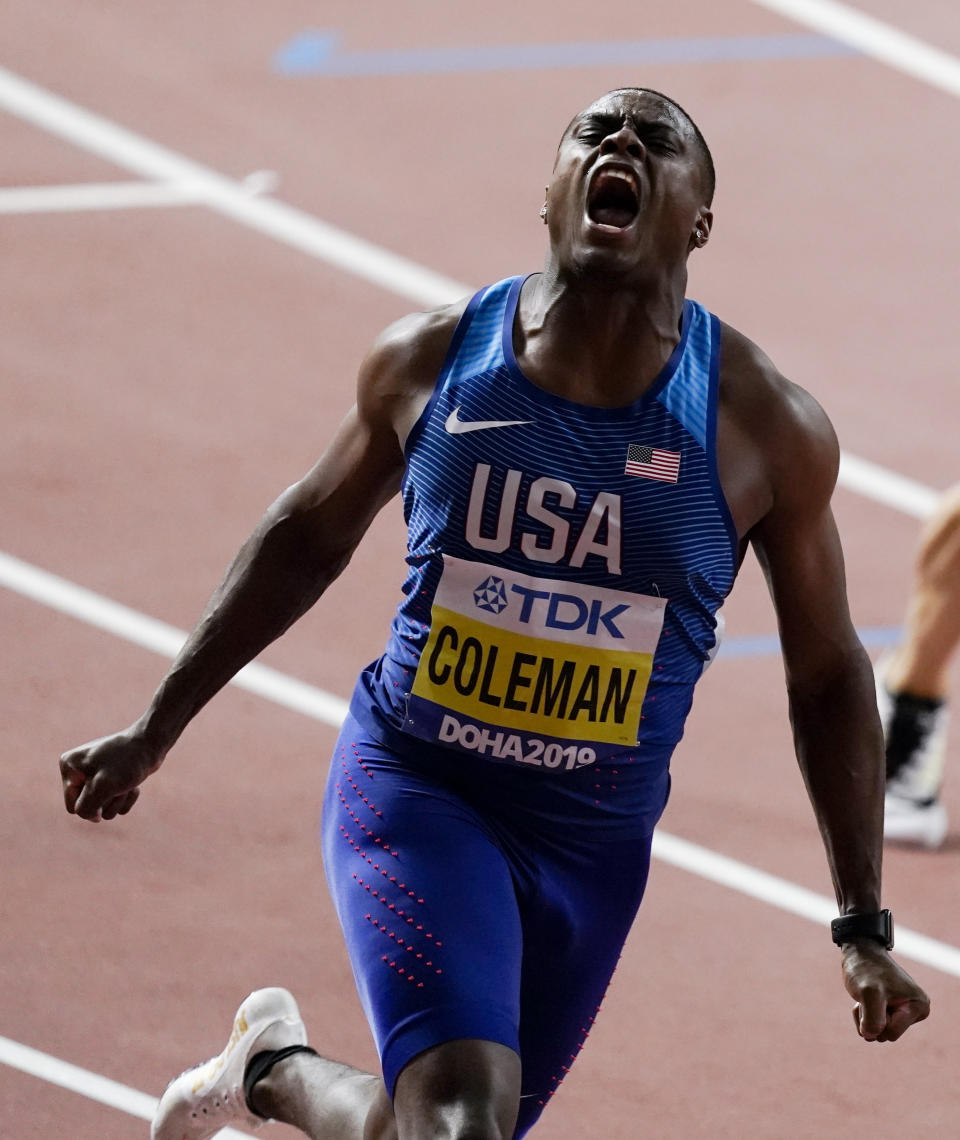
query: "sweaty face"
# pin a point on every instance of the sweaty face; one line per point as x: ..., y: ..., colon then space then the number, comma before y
x: 628, y: 184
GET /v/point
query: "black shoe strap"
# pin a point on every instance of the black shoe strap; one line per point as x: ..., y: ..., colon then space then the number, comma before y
x: 260, y: 1065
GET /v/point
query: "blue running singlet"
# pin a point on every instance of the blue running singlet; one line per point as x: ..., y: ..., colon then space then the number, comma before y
x: 489, y: 809
x: 565, y: 563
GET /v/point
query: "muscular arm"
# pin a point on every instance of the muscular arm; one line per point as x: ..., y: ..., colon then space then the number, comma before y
x: 785, y: 500
x: 833, y: 709
x: 301, y: 544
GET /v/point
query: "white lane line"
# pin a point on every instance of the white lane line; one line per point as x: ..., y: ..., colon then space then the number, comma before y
x: 787, y: 896
x: 82, y: 1081
x: 131, y: 625
x: 95, y: 196
x: 874, y: 38
x: 165, y: 639
x: 120, y: 195
x: 77, y: 1080
x: 885, y: 486
x: 295, y: 228
x: 301, y: 231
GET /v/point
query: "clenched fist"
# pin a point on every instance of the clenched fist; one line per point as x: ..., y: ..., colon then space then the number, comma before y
x: 102, y: 779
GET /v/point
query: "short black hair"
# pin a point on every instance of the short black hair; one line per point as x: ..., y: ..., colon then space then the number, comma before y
x: 706, y: 158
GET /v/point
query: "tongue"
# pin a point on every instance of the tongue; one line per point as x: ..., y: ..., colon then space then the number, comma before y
x: 612, y: 202
x: 608, y: 215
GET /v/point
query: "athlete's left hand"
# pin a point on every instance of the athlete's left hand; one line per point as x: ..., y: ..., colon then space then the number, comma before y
x: 888, y: 1000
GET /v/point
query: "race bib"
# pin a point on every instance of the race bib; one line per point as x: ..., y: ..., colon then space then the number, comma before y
x: 532, y: 669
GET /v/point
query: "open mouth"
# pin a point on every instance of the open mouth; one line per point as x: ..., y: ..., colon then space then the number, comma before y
x: 613, y: 200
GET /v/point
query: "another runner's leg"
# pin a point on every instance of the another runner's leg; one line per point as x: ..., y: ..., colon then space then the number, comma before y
x: 920, y: 666
x: 913, y: 681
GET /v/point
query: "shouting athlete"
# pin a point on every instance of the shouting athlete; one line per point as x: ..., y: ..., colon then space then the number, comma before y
x: 584, y: 455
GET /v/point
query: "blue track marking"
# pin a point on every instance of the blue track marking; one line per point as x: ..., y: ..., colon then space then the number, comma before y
x: 319, y: 53
x: 768, y: 645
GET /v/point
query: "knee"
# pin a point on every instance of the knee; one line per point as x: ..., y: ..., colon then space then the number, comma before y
x: 460, y: 1121
x: 461, y: 1090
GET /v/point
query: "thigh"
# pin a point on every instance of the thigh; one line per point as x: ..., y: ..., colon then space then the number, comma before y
x: 426, y: 901
x: 573, y: 932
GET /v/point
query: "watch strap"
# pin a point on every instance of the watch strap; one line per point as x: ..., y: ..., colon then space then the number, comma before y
x: 878, y: 926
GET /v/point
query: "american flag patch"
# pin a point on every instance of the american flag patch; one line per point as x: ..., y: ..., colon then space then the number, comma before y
x: 652, y: 463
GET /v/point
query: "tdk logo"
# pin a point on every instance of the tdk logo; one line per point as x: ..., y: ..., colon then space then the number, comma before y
x: 548, y: 609
x: 491, y: 595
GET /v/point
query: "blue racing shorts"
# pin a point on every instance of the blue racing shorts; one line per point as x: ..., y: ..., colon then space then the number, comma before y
x: 481, y: 899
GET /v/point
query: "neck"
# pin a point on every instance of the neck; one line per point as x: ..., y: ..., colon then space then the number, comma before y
x: 595, y: 339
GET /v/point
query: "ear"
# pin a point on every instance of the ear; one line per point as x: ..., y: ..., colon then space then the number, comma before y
x: 701, y: 230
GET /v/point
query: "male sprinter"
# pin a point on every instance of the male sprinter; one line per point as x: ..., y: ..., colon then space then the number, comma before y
x: 583, y: 456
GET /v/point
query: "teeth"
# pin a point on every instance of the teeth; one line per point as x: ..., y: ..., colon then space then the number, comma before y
x: 616, y: 172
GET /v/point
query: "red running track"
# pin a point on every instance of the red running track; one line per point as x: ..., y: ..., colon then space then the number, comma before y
x: 167, y: 370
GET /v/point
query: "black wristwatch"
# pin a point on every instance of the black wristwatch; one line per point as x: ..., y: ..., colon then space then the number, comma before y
x: 878, y: 926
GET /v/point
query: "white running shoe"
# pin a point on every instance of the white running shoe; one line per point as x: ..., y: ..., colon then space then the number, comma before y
x: 201, y: 1101
x: 915, y: 736
x: 906, y: 821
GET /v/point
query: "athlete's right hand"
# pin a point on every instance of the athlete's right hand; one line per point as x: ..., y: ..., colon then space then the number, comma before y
x: 102, y: 779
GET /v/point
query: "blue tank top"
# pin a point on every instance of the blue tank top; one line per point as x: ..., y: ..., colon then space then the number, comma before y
x: 565, y: 562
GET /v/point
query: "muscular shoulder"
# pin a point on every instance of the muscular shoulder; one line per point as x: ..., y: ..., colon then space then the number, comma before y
x: 775, y: 428
x: 400, y: 370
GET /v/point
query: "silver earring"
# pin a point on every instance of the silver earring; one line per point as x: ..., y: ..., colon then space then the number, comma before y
x: 543, y: 213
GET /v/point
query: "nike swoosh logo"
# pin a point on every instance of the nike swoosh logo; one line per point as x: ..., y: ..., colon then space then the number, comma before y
x: 456, y: 426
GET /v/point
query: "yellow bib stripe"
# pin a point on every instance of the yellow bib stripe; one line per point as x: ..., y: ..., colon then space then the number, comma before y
x: 532, y: 684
